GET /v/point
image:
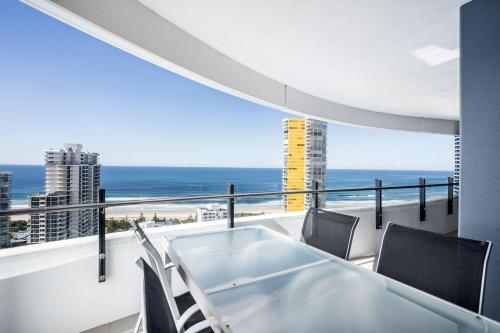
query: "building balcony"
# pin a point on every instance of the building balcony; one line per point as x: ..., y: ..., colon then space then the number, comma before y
x: 50, y: 276
x: 372, y: 64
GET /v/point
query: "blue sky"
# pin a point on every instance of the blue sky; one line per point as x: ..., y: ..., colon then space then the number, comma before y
x: 60, y: 85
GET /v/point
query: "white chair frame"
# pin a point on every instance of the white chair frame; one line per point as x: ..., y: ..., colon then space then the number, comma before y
x: 141, y: 322
x: 161, y: 269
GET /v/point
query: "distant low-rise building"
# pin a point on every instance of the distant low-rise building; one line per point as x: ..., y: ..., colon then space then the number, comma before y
x: 211, y: 213
x: 154, y: 224
x: 19, y: 238
x: 48, y: 227
x: 5, y: 187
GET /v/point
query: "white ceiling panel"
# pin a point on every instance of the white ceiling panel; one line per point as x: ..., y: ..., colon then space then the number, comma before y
x: 390, y: 56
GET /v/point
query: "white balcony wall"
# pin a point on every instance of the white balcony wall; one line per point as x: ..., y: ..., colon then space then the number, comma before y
x: 53, y: 287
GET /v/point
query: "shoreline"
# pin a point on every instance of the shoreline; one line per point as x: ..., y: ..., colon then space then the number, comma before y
x: 182, y: 211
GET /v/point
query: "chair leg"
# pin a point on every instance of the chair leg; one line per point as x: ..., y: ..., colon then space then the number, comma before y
x: 138, y: 323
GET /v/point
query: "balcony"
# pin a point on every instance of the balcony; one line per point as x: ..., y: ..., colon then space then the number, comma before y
x: 384, y: 77
x: 113, y: 305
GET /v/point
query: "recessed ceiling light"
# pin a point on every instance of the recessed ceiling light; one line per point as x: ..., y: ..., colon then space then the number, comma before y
x: 434, y: 55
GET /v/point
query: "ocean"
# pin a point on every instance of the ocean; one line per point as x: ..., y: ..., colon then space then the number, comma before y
x: 123, y: 182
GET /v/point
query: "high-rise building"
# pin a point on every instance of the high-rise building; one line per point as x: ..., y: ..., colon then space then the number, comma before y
x: 5, y: 186
x: 293, y: 163
x: 457, y: 164
x: 304, y: 161
x: 315, y: 159
x: 71, y: 177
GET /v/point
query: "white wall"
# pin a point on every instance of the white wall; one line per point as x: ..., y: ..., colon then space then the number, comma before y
x: 367, y: 239
x: 53, y: 287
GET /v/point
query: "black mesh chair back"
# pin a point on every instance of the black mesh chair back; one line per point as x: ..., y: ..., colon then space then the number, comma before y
x: 156, y: 314
x: 450, y: 268
x: 329, y: 231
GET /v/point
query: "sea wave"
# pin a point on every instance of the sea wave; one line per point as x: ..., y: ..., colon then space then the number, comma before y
x: 20, y: 204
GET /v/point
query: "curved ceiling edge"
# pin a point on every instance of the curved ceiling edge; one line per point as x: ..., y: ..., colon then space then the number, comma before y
x: 134, y: 28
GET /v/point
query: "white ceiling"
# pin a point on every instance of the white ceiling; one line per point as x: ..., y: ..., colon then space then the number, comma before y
x: 358, y: 53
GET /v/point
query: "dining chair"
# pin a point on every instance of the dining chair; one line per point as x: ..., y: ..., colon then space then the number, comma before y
x: 183, y: 307
x: 451, y: 268
x: 329, y: 231
x: 156, y: 315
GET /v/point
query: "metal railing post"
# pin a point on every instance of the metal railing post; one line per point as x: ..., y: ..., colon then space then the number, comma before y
x: 378, y: 204
x: 102, y: 237
x: 450, y: 195
x: 316, y: 195
x: 230, y: 206
x: 421, y: 182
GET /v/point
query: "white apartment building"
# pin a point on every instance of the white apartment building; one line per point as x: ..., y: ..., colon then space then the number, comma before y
x: 5, y: 187
x: 154, y: 224
x: 211, y: 213
x: 51, y: 226
x: 315, y: 159
x: 72, y: 176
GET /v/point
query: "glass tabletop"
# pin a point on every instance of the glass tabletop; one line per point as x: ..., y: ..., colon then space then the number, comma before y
x: 224, y: 259
x: 272, y: 283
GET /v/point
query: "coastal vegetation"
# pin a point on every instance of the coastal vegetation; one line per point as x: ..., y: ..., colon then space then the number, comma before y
x: 19, y: 226
x: 244, y: 214
x: 121, y: 224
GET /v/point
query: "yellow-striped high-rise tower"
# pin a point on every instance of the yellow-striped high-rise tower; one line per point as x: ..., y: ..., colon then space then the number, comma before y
x: 293, y: 163
x: 304, y: 160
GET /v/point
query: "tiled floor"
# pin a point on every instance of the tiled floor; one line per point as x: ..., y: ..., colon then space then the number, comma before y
x: 366, y: 262
x: 124, y: 325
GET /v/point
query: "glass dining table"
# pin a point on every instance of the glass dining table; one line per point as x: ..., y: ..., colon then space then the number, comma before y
x: 253, y: 279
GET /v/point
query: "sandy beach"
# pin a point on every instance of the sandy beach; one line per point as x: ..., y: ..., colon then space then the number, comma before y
x: 182, y: 211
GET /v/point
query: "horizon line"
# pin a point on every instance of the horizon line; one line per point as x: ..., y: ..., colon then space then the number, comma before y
x: 229, y: 167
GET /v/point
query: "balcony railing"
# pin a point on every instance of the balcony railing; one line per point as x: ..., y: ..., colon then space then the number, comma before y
x: 231, y: 197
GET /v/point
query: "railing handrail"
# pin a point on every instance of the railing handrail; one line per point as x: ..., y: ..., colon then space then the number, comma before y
x: 54, y: 209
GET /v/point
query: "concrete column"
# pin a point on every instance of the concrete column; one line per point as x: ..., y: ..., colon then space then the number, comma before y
x: 479, y: 215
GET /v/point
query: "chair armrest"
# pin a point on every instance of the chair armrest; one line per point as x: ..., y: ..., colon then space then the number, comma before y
x: 198, y: 327
x: 186, y: 315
